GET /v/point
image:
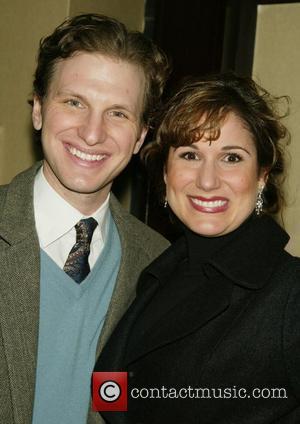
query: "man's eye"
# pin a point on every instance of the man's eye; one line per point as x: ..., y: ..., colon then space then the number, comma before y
x: 189, y: 156
x: 74, y: 103
x: 233, y: 158
x: 118, y: 114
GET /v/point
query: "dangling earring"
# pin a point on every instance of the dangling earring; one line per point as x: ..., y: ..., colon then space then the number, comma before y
x: 259, y: 201
x: 165, y: 203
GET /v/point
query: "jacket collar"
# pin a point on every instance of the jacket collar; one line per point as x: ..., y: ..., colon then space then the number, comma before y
x: 247, y: 259
x: 250, y: 258
x: 162, y: 267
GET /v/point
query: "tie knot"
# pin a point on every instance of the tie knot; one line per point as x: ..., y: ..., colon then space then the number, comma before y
x: 84, y: 230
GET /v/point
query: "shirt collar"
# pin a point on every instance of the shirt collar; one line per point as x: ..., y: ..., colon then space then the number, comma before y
x: 54, y: 217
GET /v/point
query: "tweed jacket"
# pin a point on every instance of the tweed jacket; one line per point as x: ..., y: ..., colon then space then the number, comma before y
x: 234, y: 331
x: 19, y: 290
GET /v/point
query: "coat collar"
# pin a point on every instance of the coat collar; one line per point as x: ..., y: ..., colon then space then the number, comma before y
x: 247, y: 259
x: 250, y: 258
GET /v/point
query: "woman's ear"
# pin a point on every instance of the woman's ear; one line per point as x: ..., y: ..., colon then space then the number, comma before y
x: 165, y: 174
x: 263, y: 178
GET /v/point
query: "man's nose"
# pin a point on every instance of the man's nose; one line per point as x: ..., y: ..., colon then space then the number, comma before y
x: 93, y: 129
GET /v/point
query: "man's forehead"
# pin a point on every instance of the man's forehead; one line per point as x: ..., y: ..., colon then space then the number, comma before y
x: 97, y: 65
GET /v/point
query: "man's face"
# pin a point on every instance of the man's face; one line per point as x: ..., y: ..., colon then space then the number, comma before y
x: 91, y: 125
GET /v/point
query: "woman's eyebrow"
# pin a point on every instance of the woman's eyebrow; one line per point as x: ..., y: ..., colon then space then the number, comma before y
x: 233, y: 147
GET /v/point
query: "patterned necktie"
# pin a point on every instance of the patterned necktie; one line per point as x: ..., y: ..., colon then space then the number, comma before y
x: 77, y: 265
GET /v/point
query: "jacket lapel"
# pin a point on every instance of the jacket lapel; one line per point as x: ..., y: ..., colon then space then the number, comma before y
x: 19, y: 291
x: 132, y: 262
x: 185, y: 310
x: 173, y: 317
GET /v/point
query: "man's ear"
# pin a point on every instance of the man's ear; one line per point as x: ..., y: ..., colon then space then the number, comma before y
x: 140, y: 141
x: 37, y: 113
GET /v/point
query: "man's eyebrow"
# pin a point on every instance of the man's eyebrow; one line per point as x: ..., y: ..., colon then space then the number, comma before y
x: 72, y: 93
x: 121, y: 106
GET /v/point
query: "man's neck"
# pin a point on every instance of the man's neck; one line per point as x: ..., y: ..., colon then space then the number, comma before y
x: 85, y: 203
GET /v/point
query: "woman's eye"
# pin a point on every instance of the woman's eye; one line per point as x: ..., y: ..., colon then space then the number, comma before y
x: 189, y: 156
x: 233, y: 158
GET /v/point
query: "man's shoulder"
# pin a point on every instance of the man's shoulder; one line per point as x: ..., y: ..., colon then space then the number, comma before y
x: 131, y: 227
x: 17, y: 195
x: 3, y: 191
x: 23, y: 178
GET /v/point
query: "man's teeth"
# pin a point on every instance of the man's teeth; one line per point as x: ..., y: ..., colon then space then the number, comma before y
x: 85, y: 156
x: 209, y: 204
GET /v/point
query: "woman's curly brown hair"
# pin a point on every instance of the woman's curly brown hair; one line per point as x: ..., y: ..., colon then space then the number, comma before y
x: 199, y: 108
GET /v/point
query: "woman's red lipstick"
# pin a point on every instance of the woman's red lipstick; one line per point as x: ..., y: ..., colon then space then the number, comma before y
x: 209, y: 205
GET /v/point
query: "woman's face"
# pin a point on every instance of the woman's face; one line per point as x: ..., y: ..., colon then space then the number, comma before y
x: 212, y: 187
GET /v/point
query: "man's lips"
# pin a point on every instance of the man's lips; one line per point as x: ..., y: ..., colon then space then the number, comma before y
x: 88, y: 157
x: 209, y: 205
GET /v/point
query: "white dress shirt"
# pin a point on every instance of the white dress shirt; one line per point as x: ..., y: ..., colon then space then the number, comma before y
x: 55, y: 221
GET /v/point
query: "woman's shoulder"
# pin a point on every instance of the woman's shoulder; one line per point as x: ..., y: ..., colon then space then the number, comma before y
x: 289, y: 266
x: 291, y: 321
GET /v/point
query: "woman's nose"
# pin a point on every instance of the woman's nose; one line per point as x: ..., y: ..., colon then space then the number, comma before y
x: 208, y: 176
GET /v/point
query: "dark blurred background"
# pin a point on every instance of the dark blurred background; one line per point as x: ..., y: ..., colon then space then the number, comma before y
x: 200, y: 37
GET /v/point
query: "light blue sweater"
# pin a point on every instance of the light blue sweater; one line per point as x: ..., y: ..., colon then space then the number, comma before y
x: 71, y: 319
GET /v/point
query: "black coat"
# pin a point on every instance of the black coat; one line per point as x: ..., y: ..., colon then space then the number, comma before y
x: 237, y: 335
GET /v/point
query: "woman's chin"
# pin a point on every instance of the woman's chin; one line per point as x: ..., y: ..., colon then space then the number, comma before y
x: 208, y: 230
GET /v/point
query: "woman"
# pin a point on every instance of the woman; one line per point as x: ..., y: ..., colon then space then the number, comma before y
x: 213, y: 336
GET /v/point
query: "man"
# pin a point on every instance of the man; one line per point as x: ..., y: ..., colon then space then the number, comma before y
x: 69, y: 254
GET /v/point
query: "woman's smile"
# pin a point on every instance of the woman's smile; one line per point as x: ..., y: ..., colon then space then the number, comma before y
x: 209, y: 205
